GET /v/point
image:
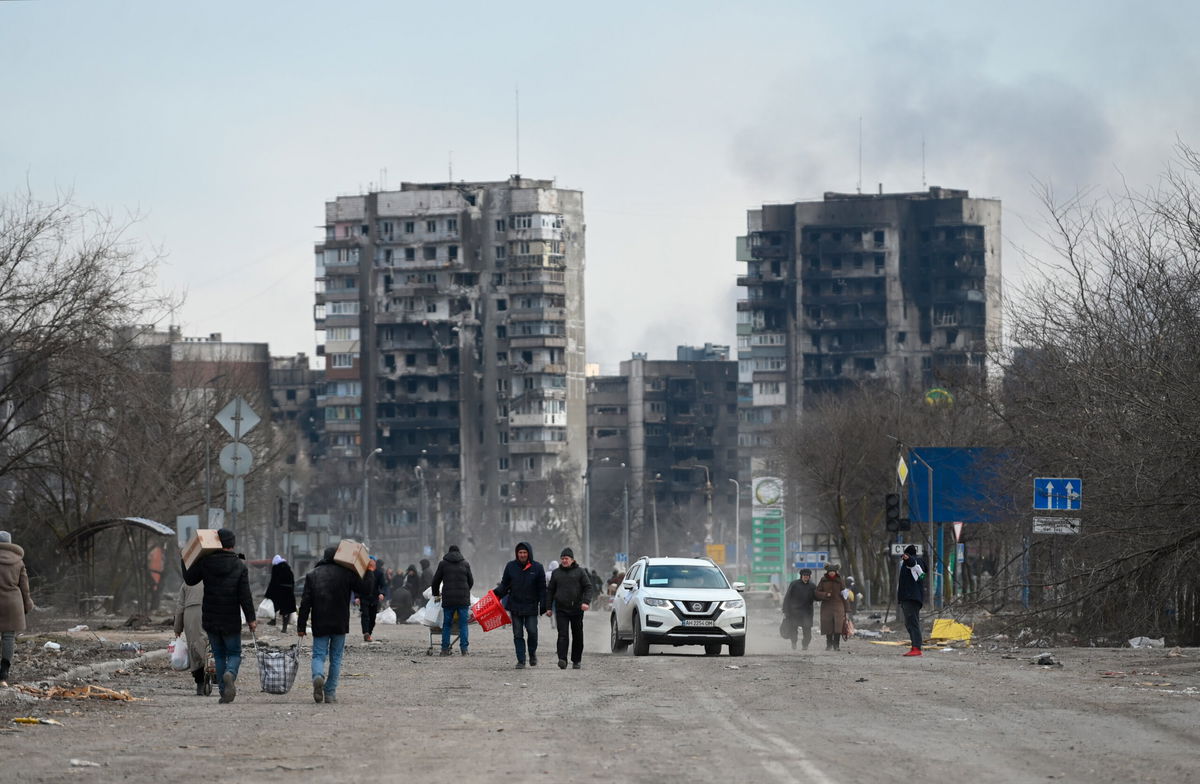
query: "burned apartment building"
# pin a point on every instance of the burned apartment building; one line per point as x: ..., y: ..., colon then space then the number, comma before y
x: 899, y: 288
x: 664, y: 434
x: 453, y: 324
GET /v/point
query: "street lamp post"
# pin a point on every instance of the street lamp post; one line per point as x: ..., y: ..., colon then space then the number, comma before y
x: 421, y: 511
x: 366, y: 496
x: 737, y: 526
x: 654, y: 510
x: 587, y: 478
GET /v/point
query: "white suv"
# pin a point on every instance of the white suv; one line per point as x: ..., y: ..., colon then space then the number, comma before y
x: 678, y: 601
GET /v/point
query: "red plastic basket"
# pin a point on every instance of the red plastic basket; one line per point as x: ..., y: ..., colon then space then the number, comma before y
x: 489, y: 613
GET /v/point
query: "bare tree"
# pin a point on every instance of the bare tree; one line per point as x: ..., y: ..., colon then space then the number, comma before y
x: 1104, y: 383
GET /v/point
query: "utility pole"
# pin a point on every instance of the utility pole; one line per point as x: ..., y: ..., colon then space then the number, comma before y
x: 366, y: 497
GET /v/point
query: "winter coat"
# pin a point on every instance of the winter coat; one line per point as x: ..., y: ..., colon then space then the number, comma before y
x: 15, y: 602
x: 370, y: 591
x: 282, y: 588
x: 453, y: 580
x: 188, y: 609
x: 327, y: 589
x: 570, y: 587
x: 382, y: 584
x: 426, y: 580
x: 798, y: 602
x: 833, y: 606
x: 226, y: 591
x: 910, y: 589
x: 524, y: 585
x: 415, y: 586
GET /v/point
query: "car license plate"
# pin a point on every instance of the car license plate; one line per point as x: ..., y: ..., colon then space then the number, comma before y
x: 697, y: 622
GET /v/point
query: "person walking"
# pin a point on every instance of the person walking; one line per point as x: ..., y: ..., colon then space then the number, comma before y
x: 15, y: 601
x: 282, y: 590
x: 798, y: 607
x: 570, y: 596
x: 910, y: 595
x: 524, y: 583
x: 369, y: 600
x: 327, y: 590
x: 226, y: 600
x: 188, y: 611
x: 831, y: 593
x: 453, y: 582
x: 415, y: 585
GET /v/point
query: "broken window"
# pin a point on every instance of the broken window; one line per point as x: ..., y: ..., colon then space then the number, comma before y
x: 430, y: 253
x: 410, y: 254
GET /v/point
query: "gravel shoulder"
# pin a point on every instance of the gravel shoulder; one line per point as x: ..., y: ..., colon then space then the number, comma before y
x: 774, y: 715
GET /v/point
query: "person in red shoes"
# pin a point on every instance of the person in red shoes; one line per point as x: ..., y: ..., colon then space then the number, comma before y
x: 910, y: 594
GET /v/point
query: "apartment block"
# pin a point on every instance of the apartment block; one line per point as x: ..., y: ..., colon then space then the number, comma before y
x: 663, y: 436
x: 453, y: 336
x: 900, y: 288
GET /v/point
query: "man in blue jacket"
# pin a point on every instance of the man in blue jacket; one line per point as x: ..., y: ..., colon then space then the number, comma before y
x: 524, y: 583
x: 910, y: 593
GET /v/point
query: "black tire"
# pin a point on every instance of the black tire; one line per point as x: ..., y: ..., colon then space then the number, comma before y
x: 712, y: 649
x: 207, y: 686
x: 737, y: 647
x: 641, y: 645
x: 616, y: 644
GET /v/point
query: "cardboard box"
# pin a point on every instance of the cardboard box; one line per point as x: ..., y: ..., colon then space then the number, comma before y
x: 204, y: 542
x: 352, y: 555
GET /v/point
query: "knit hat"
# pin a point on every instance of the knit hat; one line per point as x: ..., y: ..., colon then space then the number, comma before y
x: 567, y: 553
x: 227, y: 538
x: 278, y: 559
x: 5, y: 536
x: 910, y: 550
x: 454, y: 548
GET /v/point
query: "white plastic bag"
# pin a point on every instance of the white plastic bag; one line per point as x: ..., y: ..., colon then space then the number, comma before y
x: 178, y: 652
x: 387, y: 616
x: 431, y: 615
x: 266, y: 610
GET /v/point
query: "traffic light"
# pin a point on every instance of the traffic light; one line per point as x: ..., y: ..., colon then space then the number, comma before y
x: 891, y: 512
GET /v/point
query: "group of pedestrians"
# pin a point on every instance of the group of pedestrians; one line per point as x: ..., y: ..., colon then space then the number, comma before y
x: 527, y: 594
x: 838, y: 599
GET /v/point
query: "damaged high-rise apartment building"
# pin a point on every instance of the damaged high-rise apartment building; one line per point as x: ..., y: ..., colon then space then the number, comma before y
x: 453, y: 326
x: 899, y: 287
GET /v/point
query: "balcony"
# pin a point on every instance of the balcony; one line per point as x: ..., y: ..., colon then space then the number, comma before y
x: 537, y: 420
x: 762, y: 303
x: 520, y: 368
x: 538, y: 314
x: 771, y: 244
x: 536, y: 447
x: 537, y: 341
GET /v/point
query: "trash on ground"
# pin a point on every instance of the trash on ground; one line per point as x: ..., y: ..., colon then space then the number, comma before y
x: 947, y: 630
x: 80, y: 628
x: 1045, y: 660
x: 867, y: 633
x: 36, y: 720
x: 1147, y: 642
x: 732, y: 667
x: 82, y: 763
x: 52, y: 646
x: 1153, y: 683
x: 89, y: 692
x: 860, y: 680
x: 1175, y: 652
x: 135, y: 647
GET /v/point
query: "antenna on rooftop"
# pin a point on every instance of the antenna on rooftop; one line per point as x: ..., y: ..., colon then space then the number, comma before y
x: 922, y: 160
x: 517, y: 94
x: 859, y: 186
x: 450, y: 167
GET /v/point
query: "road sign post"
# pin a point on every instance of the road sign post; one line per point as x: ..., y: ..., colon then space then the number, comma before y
x: 238, y: 419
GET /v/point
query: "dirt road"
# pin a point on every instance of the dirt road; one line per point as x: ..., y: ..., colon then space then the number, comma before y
x: 861, y: 715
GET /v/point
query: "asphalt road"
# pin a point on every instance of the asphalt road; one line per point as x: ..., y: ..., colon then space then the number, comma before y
x: 862, y: 715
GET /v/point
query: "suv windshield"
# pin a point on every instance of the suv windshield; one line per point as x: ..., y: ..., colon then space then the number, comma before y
x: 684, y: 576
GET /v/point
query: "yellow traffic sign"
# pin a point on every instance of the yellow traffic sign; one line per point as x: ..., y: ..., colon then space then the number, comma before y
x: 902, y: 470
x: 716, y: 552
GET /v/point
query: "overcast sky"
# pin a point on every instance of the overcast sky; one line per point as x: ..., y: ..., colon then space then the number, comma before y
x: 225, y: 126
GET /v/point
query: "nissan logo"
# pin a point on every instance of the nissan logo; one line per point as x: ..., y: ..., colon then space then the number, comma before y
x: 697, y: 606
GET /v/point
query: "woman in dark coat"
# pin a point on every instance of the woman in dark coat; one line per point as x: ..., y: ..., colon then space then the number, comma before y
x: 830, y: 592
x: 412, y: 584
x: 282, y: 589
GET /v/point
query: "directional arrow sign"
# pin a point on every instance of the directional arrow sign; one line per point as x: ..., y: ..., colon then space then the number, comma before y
x: 236, y: 459
x: 238, y: 418
x: 1057, y: 493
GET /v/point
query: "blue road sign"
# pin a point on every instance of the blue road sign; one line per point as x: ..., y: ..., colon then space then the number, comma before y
x: 811, y: 560
x: 1057, y: 493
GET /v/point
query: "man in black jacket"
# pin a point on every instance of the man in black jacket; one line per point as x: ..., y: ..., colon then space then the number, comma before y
x: 426, y: 580
x: 226, y: 600
x: 453, y: 582
x: 798, y: 607
x: 327, y: 590
x: 524, y: 583
x: 570, y: 594
x: 910, y: 593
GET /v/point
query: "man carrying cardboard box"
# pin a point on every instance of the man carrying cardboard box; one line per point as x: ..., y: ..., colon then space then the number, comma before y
x: 327, y: 589
x: 226, y: 598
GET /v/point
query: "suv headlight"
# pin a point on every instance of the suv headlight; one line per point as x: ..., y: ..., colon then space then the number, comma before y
x: 650, y: 602
x: 733, y: 604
